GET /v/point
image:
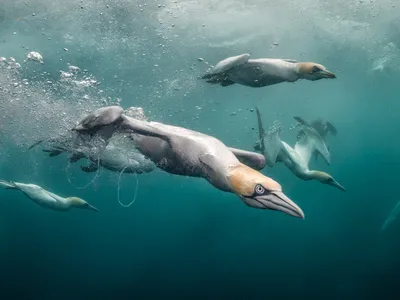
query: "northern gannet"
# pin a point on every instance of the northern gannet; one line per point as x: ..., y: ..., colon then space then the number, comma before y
x: 262, y: 72
x: 296, y: 159
x: 47, y: 199
x: 181, y: 151
x: 114, y: 157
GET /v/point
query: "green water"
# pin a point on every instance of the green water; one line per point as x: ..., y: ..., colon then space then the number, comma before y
x: 182, y: 238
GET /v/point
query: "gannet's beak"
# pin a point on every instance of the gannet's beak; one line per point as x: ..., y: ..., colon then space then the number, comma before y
x: 325, y: 74
x: 90, y: 207
x: 275, y: 200
x: 259, y: 191
x: 336, y: 184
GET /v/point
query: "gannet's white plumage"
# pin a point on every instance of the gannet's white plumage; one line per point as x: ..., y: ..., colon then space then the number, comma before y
x: 47, y: 199
x: 262, y: 72
x: 297, y: 159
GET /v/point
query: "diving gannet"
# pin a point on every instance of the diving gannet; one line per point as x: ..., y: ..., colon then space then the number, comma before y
x: 263, y: 72
x: 181, y: 151
x: 297, y: 159
x: 47, y: 199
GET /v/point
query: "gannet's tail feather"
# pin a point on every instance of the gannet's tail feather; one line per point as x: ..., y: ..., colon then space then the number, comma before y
x: 8, y: 184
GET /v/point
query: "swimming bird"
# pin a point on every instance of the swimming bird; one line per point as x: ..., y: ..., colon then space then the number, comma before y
x: 47, y: 199
x: 118, y: 156
x: 297, y: 159
x: 321, y: 126
x: 392, y: 217
x: 77, y: 142
x: 263, y: 72
x: 185, y: 152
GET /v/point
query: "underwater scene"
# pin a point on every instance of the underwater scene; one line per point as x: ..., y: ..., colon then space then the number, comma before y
x: 181, y: 149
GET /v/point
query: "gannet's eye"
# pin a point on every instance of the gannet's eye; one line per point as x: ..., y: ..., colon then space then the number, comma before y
x: 259, y: 189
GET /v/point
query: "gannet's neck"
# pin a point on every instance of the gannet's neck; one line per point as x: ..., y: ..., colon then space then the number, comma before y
x: 314, y: 174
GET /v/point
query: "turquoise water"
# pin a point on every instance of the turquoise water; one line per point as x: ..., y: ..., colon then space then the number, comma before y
x: 182, y: 238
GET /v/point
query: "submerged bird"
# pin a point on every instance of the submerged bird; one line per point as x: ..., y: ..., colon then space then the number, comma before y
x: 321, y: 126
x: 296, y: 159
x: 181, y: 151
x: 47, y: 199
x: 262, y: 72
x: 392, y: 217
x: 117, y: 156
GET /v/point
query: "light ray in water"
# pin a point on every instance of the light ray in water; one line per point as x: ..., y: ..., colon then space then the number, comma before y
x: 136, y: 190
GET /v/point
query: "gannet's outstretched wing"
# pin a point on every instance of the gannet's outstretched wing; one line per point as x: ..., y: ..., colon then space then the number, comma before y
x: 102, y: 116
x: 260, y: 145
x: 227, y: 64
x: 252, y: 159
x: 309, y: 141
x: 273, y: 146
x: 217, y: 74
x: 269, y: 144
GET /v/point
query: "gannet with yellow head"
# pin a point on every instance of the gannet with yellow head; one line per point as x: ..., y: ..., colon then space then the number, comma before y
x: 181, y: 151
x: 47, y: 199
x: 297, y: 159
x: 262, y: 72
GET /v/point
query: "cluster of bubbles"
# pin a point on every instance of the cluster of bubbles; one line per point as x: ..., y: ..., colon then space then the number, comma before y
x: 273, y: 129
x: 36, y: 105
x: 387, y: 58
